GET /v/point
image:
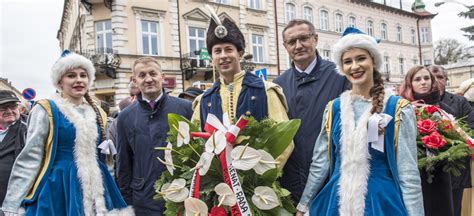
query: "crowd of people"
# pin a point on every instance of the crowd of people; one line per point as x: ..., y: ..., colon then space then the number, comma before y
x: 73, y: 158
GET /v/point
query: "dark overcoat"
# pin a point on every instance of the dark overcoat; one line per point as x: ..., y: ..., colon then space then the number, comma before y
x: 307, y: 96
x: 140, y: 129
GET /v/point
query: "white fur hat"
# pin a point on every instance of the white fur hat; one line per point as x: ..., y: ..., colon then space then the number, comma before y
x: 466, y: 88
x: 70, y: 60
x: 354, y: 38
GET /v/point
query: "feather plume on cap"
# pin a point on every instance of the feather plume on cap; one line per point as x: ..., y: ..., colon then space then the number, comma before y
x: 220, y: 31
x: 225, y: 31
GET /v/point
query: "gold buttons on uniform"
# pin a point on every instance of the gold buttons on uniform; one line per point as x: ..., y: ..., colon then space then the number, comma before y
x: 209, y: 104
x: 248, y: 113
x: 253, y: 98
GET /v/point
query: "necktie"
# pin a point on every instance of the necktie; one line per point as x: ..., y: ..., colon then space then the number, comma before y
x: 152, y: 104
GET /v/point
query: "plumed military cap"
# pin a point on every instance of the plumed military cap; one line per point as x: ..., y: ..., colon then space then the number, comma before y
x: 224, y: 32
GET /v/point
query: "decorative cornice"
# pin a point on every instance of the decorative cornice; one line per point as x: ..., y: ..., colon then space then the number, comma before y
x: 196, y: 14
x: 148, y: 13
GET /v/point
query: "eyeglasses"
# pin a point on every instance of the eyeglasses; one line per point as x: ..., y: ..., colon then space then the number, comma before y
x: 302, y: 38
x: 11, y: 106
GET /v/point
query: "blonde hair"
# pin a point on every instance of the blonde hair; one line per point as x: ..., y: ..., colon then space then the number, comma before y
x: 466, y: 89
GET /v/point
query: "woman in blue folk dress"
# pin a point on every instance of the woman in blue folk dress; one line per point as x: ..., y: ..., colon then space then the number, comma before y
x: 364, y: 162
x: 60, y: 172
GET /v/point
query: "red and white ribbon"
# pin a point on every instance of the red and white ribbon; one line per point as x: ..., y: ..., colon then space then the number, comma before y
x: 230, y: 174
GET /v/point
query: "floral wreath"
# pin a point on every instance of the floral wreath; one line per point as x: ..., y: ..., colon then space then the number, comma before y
x: 230, y: 169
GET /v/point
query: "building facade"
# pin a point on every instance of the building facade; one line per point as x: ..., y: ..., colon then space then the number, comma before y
x: 113, y: 33
x: 7, y: 85
x: 405, y: 36
x: 459, y: 72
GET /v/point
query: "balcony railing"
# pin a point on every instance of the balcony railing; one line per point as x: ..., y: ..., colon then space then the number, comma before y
x: 106, y: 59
x: 192, y: 63
x: 195, y: 63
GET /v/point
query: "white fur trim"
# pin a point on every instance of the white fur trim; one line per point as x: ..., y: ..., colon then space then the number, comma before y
x: 355, y: 166
x: 68, y: 62
x: 122, y: 212
x: 362, y: 41
x: 85, y: 155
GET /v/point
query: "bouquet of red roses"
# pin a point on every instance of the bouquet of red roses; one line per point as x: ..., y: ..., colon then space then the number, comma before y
x: 441, y: 141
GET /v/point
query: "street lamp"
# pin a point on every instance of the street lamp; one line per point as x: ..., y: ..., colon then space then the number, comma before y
x: 469, y: 14
x: 437, y: 4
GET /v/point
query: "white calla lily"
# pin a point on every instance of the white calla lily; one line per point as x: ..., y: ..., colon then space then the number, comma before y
x: 265, y: 198
x: 245, y: 157
x: 226, y: 195
x: 183, y: 133
x: 176, y: 191
x: 204, y: 162
x: 195, y: 207
x: 216, y: 143
x: 168, y: 159
x: 267, y: 162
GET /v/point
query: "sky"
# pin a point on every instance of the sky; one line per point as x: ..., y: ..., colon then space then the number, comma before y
x: 29, y: 48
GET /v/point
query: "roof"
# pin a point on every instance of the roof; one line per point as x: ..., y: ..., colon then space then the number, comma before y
x: 421, y: 15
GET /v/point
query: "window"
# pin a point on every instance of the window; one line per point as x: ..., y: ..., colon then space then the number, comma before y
x: 399, y: 34
x: 415, y: 61
x: 352, y: 21
x: 427, y: 62
x: 383, y: 31
x: 150, y: 38
x: 326, y: 54
x: 103, y: 31
x: 425, y: 35
x: 255, y: 4
x: 386, y: 64
x: 338, y: 23
x: 223, y: 1
x: 370, y: 28
x: 257, y: 48
x: 401, y: 64
x: 290, y: 12
x: 308, y: 14
x: 413, y: 36
x: 324, y: 20
x: 197, y: 39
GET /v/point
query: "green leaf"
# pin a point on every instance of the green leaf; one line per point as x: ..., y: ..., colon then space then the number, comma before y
x: 279, y: 211
x: 285, y: 192
x: 270, y: 176
x: 173, y: 119
x: 281, y: 136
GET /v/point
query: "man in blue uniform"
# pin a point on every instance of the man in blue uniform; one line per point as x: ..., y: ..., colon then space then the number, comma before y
x: 140, y: 128
x: 308, y: 85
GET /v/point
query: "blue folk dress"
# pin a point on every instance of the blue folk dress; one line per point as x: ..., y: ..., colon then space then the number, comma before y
x: 358, y: 179
x: 71, y: 180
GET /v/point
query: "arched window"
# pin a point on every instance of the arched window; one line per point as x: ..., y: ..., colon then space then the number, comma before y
x: 383, y: 31
x: 308, y: 14
x: 338, y: 23
x: 352, y: 21
x: 370, y: 27
x: 399, y: 34
x: 290, y: 12
x: 324, y: 20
